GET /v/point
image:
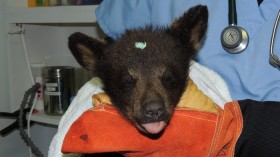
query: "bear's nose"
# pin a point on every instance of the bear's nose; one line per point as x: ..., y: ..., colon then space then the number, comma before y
x: 153, y: 109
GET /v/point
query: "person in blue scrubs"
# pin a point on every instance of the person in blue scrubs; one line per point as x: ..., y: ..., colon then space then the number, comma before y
x: 248, y: 74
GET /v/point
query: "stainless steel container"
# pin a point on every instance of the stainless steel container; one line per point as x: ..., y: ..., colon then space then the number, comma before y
x: 59, y: 87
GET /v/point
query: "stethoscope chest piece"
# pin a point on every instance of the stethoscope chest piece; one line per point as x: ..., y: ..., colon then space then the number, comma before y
x: 234, y: 39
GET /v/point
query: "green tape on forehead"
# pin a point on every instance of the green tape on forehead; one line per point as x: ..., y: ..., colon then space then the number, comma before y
x: 140, y: 45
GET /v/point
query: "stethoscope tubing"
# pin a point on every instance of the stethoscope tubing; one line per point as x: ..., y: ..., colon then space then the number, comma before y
x: 273, y: 59
x: 273, y: 34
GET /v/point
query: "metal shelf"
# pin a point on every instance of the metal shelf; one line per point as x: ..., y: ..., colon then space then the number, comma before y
x: 55, y: 14
x: 44, y: 118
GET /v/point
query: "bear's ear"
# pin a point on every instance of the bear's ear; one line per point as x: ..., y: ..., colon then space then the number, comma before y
x: 86, y: 50
x: 191, y: 26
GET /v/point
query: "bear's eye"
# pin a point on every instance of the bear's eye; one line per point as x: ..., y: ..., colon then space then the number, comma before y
x: 128, y: 82
x: 168, y: 80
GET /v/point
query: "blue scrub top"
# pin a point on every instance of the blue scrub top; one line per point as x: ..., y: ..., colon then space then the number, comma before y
x: 248, y: 74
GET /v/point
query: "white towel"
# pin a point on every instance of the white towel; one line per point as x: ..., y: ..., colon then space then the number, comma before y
x: 209, y: 82
x: 81, y: 103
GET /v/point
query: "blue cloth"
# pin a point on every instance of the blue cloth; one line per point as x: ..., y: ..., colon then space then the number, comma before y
x: 248, y: 74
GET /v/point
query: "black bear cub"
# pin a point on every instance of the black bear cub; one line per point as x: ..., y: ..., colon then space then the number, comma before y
x: 145, y: 71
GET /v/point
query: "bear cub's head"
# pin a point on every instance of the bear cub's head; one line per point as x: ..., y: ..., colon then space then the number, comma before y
x: 145, y: 71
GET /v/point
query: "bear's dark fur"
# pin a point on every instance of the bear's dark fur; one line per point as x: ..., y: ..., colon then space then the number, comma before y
x: 145, y: 71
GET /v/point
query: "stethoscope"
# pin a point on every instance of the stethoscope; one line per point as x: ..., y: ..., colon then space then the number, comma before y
x: 235, y: 39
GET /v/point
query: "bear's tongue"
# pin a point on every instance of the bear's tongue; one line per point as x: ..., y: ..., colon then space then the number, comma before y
x: 154, y: 127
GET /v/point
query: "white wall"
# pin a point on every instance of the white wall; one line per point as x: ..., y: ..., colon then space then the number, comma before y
x: 13, y: 145
x: 44, y: 43
x: 4, y: 81
x: 5, y: 143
